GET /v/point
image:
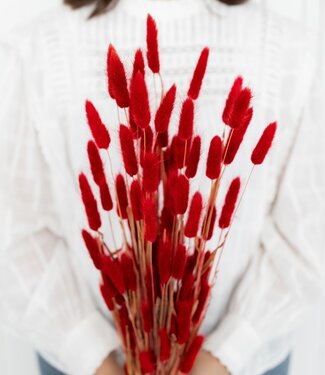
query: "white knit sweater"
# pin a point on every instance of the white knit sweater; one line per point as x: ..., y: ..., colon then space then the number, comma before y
x: 272, y: 267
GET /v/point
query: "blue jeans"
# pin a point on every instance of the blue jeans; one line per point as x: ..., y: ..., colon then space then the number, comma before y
x: 282, y: 369
x: 47, y: 369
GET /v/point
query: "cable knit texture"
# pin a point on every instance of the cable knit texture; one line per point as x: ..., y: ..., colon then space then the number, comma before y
x: 272, y: 266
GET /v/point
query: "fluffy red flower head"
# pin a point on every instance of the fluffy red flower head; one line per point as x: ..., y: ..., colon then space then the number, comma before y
x: 122, y: 197
x: 213, y: 168
x: 152, y: 45
x: 128, y: 151
x: 186, y: 121
x: 191, y: 354
x: 90, y: 203
x: 180, y: 150
x: 230, y: 204
x: 97, y: 128
x: 181, y: 194
x: 127, y: 266
x: 237, y: 104
x: 164, y: 261
x: 198, y: 75
x: 209, y: 223
x: 264, y: 144
x: 139, y: 101
x: 184, y: 313
x: 151, y: 172
x: 136, y: 200
x: 165, y: 110
x: 194, y: 215
x: 105, y: 196
x: 93, y: 248
x: 235, y: 138
x: 147, y: 362
x: 232, y: 97
x: 193, y: 158
x: 113, y: 270
x: 150, y: 220
x: 96, y: 164
x: 179, y: 262
x: 138, y: 64
x: 117, y: 82
x: 165, y: 345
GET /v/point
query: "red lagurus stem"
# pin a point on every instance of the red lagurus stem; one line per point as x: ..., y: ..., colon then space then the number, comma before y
x: 186, y: 121
x: 184, y: 312
x: 136, y: 200
x: 130, y: 278
x: 193, y: 158
x: 230, y: 204
x: 147, y: 317
x: 151, y: 172
x: 97, y: 128
x: 181, y: 194
x: 214, y: 160
x: 179, y: 262
x: 232, y: 97
x: 117, y: 82
x: 189, y: 358
x: 112, y: 269
x: 198, y: 75
x: 194, y: 215
x: 138, y: 63
x: 105, y: 196
x: 147, y: 362
x: 93, y: 248
x: 235, y: 139
x: 152, y: 45
x: 165, y: 110
x: 150, y: 220
x: 208, y: 227
x: 165, y: 345
x: 90, y: 203
x: 122, y: 197
x: 128, y: 151
x: 164, y: 261
x: 96, y: 164
x: 139, y: 101
x: 264, y: 144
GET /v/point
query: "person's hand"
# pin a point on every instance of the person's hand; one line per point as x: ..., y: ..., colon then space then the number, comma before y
x: 208, y: 365
x: 110, y: 366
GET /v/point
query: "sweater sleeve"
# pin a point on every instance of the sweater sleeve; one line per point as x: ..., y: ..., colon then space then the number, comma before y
x: 41, y: 296
x: 286, y: 273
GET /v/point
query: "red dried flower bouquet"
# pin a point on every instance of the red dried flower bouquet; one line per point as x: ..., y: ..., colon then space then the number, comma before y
x: 158, y: 283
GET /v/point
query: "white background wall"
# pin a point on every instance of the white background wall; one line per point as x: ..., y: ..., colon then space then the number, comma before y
x: 17, y: 358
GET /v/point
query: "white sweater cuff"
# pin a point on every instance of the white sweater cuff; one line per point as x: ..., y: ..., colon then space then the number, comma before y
x: 234, y: 342
x: 88, y: 345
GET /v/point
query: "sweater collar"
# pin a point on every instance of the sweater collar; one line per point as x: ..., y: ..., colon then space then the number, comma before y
x: 173, y: 8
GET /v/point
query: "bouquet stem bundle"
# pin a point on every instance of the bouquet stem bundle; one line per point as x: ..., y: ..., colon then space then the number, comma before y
x: 157, y: 285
